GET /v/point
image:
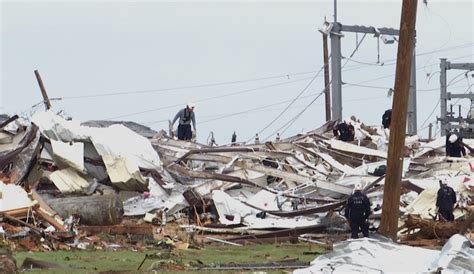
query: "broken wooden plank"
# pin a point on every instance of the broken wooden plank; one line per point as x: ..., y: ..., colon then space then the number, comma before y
x: 135, y: 229
x: 50, y: 219
x: 222, y: 241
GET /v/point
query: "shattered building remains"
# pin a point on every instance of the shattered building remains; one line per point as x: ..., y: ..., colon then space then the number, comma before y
x: 62, y: 182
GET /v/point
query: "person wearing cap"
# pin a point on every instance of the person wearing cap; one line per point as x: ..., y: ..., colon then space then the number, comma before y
x: 454, y: 146
x: 186, y: 116
x: 445, y: 201
x: 357, y: 212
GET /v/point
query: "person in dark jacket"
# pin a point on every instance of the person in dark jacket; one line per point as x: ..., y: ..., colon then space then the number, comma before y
x: 387, y: 118
x: 345, y: 132
x: 357, y: 212
x: 454, y: 145
x: 445, y: 201
x: 185, y: 116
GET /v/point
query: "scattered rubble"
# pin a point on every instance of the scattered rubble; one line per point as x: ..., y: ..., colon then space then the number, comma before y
x: 64, y: 183
x: 383, y: 256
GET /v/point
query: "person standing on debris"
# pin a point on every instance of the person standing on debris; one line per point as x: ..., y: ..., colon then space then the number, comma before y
x: 387, y: 118
x: 186, y: 116
x: 454, y: 146
x: 357, y: 212
x: 345, y: 132
x: 445, y: 201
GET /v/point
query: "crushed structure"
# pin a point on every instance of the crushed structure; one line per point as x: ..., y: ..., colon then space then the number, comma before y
x: 63, y: 182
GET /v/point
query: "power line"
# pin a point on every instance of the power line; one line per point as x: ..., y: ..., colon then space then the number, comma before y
x: 254, y: 89
x: 293, y: 120
x: 222, y: 116
x: 390, y: 62
x: 185, y: 87
x: 118, y: 93
x: 291, y: 103
x: 212, y: 98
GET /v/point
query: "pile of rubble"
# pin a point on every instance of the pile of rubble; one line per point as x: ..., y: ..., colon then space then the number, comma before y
x: 62, y: 182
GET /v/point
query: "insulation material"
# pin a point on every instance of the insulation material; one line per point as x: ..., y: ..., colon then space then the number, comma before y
x: 120, y: 141
x: 57, y: 128
x: 71, y: 154
x: 69, y: 181
x: 123, y: 174
x: 13, y: 197
x: 122, y: 150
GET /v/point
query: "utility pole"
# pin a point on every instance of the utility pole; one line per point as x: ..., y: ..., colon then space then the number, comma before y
x: 327, y: 94
x: 430, y: 132
x: 391, y: 197
x: 447, y: 119
x: 412, y: 127
x: 336, y: 70
x: 46, y: 101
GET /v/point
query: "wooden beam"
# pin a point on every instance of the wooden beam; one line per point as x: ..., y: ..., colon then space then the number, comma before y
x: 46, y: 101
x: 391, y: 198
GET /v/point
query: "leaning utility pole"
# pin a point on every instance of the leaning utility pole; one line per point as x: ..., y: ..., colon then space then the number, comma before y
x: 391, y: 197
x: 46, y: 101
x: 327, y: 94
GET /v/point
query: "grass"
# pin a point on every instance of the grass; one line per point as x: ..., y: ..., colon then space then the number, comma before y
x: 128, y: 261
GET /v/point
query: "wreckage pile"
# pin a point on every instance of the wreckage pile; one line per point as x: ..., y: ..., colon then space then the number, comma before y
x: 63, y: 182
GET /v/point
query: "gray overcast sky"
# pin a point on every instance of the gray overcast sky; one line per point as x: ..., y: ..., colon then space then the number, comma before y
x: 98, y: 47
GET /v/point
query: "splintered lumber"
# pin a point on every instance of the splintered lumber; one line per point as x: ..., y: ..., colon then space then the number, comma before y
x: 135, y: 229
x: 50, y: 219
x: 18, y: 213
x: 430, y: 229
x: 92, y: 210
x: 46, y: 212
